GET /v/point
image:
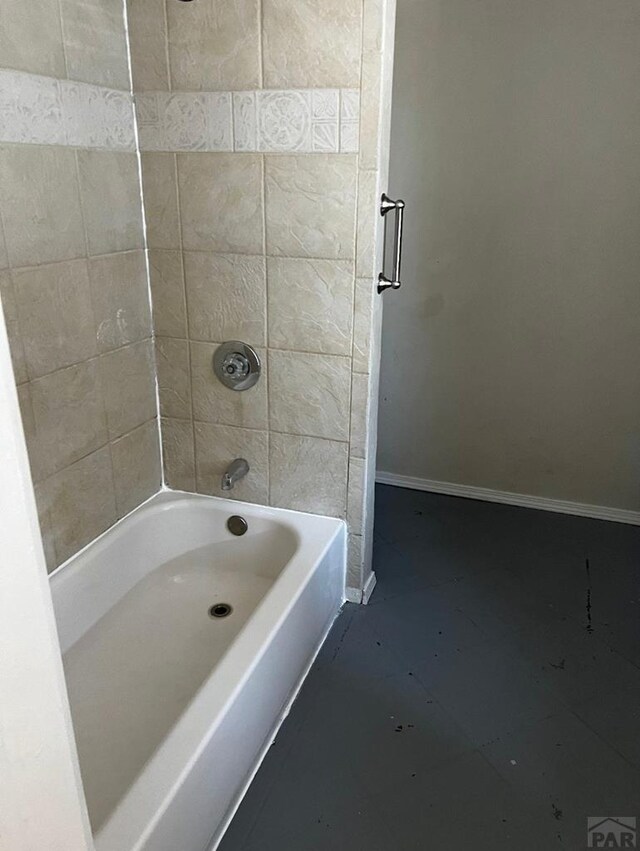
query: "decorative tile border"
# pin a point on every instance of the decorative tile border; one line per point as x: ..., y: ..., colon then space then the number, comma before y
x: 184, y: 122
x: 44, y: 111
x: 297, y: 120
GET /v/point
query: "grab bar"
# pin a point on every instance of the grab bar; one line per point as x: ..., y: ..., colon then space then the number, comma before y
x: 386, y: 206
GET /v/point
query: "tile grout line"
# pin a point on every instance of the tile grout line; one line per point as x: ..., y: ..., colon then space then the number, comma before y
x: 107, y: 443
x: 261, y: 42
x: 176, y: 178
x: 91, y: 359
x: 143, y: 213
x: 103, y: 403
x: 167, y: 52
x: 266, y: 314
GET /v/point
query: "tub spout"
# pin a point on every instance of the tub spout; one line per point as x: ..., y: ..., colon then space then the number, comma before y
x: 237, y: 470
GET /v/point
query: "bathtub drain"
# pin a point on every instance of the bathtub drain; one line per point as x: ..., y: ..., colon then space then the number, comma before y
x: 220, y: 610
x: 237, y: 525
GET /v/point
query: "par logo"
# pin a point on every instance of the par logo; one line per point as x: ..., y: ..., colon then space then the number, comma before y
x: 611, y: 832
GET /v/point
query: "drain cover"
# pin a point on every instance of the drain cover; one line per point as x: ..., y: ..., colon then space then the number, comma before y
x: 220, y: 610
x: 237, y: 525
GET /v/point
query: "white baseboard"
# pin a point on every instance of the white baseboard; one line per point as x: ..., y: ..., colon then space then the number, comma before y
x: 369, y: 585
x: 353, y: 595
x: 357, y: 595
x: 560, y: 506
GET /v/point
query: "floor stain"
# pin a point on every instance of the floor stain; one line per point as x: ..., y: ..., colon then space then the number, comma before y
x: 589, y: 624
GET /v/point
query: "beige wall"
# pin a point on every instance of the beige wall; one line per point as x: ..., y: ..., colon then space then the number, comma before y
x: 73, y: 275
x: 510, y: 355
x: 259, y: 125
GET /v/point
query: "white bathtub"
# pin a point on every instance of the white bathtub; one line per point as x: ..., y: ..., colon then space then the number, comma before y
x: 173, y: 710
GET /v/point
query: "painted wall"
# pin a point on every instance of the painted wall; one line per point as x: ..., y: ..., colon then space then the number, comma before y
x: 259, y: 126
x: 509, y: 356
x: 73, y: 276
x: 42, y: 801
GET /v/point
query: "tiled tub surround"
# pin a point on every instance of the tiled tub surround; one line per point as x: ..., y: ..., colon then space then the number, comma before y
x: 260, y: 130
x: 75, y: 296
x: 235, y: 279
x: 73, y: 276
x: 261, y: 226
x: 249, y: 44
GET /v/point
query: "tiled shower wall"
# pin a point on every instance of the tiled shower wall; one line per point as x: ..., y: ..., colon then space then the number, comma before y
x: 72, y: 266
x: 260, y: 128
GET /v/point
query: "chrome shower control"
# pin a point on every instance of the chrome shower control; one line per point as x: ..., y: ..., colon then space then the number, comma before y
x: 237, y: 365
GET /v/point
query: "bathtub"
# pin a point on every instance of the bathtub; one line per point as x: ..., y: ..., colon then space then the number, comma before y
x: 174, y: 708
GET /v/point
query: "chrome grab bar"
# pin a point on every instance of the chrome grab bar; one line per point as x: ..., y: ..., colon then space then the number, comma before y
x: 386, y: 206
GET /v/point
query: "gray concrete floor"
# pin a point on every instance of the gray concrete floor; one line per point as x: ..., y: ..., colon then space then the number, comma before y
x: 487, y: 698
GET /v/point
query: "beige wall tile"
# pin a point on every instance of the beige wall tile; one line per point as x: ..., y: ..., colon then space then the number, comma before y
x: 160, y: 190
x: 226, y: 297
x: 214, y: 46
x: 46, y: 532
x: 167, y: 292
x: 110, y: 192
x: 68, y: 418
x: 40, y: 204
x: 220, y: 192
x: 120, y: 297
x: 148, y: 37
x: 367, y: 556
x: 311, y: 44
x: 56, y: 315
x: 308, y: 474
x: 372, y: 26
x: 30, y: 37
x: 360, y: 406
x: 80, y: 502
x: 356, y: 495
x: 310, y: 205
x: 28, y: 425
x: 369, y: 506
x: 368, y: 214
x: 221, y: 202
x: 178, y: 454
x: 10, y: 310
x: 217, y: 446
x: 4, y: 257
x: 310, y: 304
x: 309, y: 394
x: 355, y: 557
x: 174, y: 382
x: 128, y: 385
x: 95, y: 42
x: 215, y: 403
x: 136, y: 466
x: 370, y: 101
x: 363, y: 327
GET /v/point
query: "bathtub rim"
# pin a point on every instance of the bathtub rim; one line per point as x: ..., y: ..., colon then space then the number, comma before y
x: 165, y: 493
x: 144, y: 803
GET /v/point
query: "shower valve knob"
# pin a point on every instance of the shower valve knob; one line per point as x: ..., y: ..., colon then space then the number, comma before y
x: 237, y: 365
